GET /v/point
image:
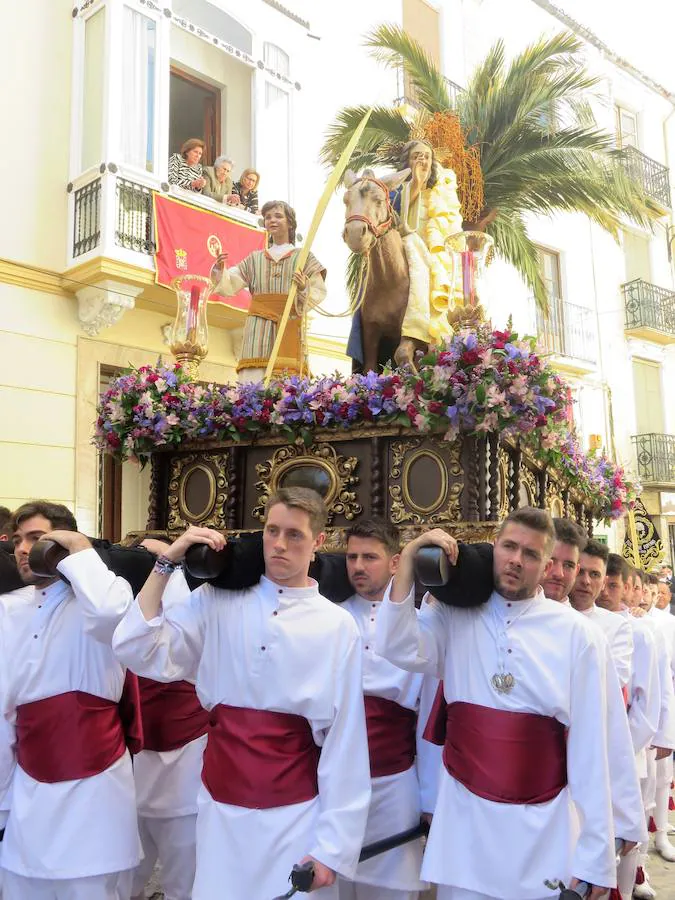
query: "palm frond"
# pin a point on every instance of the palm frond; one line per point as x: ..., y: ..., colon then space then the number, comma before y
x: 386, y: 128
x: 353, y: 275
x: 397, y: 50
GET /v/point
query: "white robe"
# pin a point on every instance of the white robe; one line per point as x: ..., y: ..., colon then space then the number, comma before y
x: 644, y: 700
x: 56, y: 641
x: 395, y: 803
x: 168, y: 781
x: 665, y: 733
x: 619, y: 637
x: 627, y: 806
x: 268, y: 648
x: 509, y: 850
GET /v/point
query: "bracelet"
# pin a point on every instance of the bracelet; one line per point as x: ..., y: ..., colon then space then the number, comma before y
x: 165, y: 566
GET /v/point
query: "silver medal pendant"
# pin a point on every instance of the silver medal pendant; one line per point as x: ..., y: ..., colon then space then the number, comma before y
x: 503, y: 682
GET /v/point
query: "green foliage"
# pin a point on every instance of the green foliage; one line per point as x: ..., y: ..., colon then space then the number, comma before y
x: 540, y: 150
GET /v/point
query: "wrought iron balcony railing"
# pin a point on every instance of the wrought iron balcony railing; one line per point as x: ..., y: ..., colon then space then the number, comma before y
x: 655, y: 454
x: 649, y: 306
x: 409, y: 98
x: 87, y: 218
x: 568, y: 331
x: 647, y: 172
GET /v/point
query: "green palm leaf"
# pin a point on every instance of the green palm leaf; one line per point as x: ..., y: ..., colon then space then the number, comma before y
x: 540, y: 149
x: 393, y: 47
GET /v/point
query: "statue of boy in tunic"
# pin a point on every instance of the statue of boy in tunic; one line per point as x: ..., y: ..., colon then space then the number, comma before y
x: 268, y: 275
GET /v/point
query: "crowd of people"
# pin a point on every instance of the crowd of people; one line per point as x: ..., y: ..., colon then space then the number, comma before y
x: 187, y: 171
x: 302, y: 705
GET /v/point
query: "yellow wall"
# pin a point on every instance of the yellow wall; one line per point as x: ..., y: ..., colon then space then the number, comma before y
x: 35, y: 67
x: 49, y: 382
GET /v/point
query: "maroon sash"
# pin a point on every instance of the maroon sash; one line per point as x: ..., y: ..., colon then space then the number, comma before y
x: 391, y: 736
x: 503, y: 756
x: 69, y: 736
x: 171, y: 713
x: 260, y: 759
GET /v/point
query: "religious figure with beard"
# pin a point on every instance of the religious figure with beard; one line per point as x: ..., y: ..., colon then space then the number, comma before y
x: 429, y: 211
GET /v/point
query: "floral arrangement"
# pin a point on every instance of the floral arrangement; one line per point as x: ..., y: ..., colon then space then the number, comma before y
x: 479, y: 381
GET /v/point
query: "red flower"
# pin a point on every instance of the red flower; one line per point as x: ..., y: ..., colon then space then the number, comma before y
x: 470, y: 357
x: 435, y: 407
x: 411, y: 410
x: 153, y: 377
x: 388, y: 392
x: 113, y: 440
x: 419, y: 387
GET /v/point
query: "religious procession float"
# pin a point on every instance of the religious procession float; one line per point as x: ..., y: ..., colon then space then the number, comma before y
x: 446, y: 420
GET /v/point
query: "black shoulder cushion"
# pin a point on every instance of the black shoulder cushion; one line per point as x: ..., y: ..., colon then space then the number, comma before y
x: 471, y: 581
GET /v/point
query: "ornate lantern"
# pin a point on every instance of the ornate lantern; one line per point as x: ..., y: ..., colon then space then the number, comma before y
x: 190, y: 334
x: 471, y: 253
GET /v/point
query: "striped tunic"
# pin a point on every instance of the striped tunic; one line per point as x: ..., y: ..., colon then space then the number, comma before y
x: 270, y: 272
x: 181, y: 174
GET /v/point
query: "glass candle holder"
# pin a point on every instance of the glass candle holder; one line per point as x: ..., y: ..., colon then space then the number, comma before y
x: 471, y: 253
x: 189, y: 338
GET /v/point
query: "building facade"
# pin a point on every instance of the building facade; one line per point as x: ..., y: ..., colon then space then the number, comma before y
x: 115, y: 86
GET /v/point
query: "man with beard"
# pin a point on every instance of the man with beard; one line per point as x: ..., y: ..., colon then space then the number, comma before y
x: 71, y: 832
x: 525, y: 687
x: 392, y: 699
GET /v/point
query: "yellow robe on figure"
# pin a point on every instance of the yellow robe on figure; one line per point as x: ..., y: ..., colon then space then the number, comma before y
x: 425, y: 224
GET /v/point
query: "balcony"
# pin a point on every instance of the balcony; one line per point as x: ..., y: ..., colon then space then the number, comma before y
x: 648, y: 173
x: 655, y: 455
x: 409, y: 98
x: 112, y: 246
x: 649, y: 311
x: 569, y: 334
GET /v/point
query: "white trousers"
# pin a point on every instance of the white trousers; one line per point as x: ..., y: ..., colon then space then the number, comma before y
x: 171, y: 842
x: 114, y: 886
x: 625, y: 873
x: 664, y: 773
x: 353, y: 890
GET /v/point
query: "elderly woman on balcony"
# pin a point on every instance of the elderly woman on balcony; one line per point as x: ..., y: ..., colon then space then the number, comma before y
x: 218, y: 181
x: 245, y: 191
x: 185, y: 168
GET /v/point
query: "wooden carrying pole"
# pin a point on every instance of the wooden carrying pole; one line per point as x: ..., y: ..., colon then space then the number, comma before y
x: 331, y: 184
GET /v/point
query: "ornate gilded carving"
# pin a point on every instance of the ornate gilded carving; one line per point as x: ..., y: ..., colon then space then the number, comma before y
x: 528, y: 486
x: 213, y: 513
x: 446, y: 507
x: 555, y: 503
x: 339, y: 499
x: 503, y: 481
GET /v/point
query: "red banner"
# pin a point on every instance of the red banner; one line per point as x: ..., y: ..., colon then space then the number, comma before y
x: 189, y: 240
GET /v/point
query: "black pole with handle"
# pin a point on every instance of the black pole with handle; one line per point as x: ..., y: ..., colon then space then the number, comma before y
x: 302, y: 876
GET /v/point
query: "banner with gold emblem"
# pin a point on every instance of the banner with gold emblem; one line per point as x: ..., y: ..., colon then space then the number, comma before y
x: 189, y: 240
x: 650, y: 551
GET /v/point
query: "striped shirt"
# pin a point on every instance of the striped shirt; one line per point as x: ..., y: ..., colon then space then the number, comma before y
x: 181, y: 174
x: 248, y: 201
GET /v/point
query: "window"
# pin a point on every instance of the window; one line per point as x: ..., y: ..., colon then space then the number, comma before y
x: 138, y: 90
x: 626, y: 128
x: 274, y: 149
x: 549, y: 266
x: 276, y: 59
x: 648, y: 397
x: 92, y: 98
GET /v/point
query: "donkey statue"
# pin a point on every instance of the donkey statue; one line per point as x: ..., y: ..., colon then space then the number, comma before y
x: 370, y: 229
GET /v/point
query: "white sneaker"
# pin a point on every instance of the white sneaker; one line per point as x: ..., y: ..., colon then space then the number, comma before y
x: 644, y: 891
x: 663, y: 847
